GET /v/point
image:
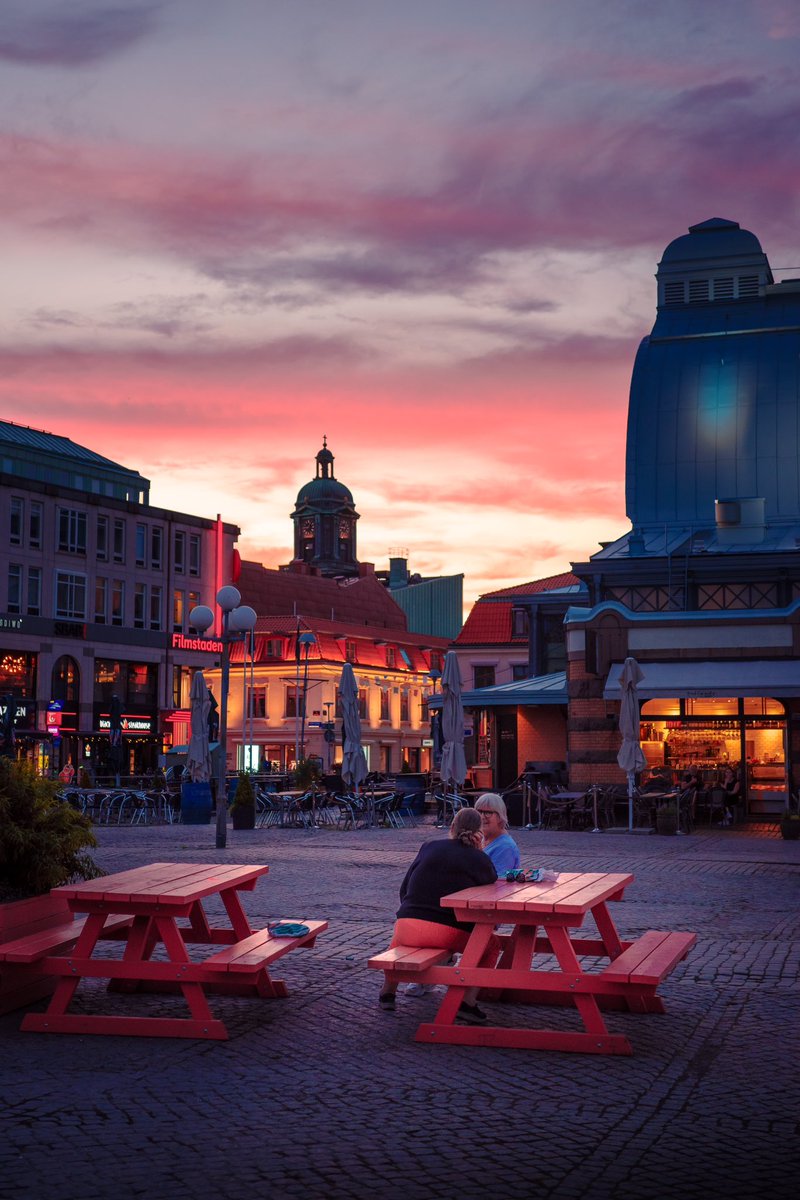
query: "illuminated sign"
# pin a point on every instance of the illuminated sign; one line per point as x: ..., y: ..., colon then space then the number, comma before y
x: 129, y: 724
x: 10, y: 622
x: 210, y: 645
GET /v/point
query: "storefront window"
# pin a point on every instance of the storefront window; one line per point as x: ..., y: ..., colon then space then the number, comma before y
x: 17, y: 673
x: 66, y: 682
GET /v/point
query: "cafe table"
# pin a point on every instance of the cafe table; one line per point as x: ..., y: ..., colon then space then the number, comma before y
x: 156, y: 898
x: 542, y: 916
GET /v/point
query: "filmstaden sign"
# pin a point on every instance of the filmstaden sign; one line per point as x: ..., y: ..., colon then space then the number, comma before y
x: 210, y: 645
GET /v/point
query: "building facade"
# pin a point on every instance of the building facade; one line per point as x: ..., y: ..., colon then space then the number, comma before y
x: 704, y: 591
x: 98, y: 585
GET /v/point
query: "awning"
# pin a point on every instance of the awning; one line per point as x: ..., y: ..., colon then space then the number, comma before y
x: 767, y: 677
x: 540, y: 689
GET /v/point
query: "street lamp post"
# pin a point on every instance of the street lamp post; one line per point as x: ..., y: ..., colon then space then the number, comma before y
x: 237, y: 621
x: 303, y: 646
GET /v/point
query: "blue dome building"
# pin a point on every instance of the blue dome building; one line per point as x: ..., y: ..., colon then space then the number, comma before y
x: 704, y: 591
x: 714, y: 416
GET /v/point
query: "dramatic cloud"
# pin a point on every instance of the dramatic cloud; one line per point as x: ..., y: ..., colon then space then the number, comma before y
x: 87, y: 33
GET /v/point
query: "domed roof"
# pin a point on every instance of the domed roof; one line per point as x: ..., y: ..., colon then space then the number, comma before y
x: 712, y: 239
x: 325, y: 488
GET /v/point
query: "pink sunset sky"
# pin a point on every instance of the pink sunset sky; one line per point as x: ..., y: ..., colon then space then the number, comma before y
x: 428, y: 230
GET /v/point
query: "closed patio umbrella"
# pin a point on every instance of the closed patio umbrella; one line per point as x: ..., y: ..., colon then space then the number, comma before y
x: 115, y: 735
x: 630, y: 756
x: 354, y: 760
x: 454, y: 765
x: 198, y: 757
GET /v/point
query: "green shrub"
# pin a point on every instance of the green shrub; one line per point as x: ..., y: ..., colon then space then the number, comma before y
x: 42, y: 839
x: 307, y: 772
x: 244, y: 796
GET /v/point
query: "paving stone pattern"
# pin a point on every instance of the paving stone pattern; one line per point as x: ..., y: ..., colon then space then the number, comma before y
x: 324, y: 1095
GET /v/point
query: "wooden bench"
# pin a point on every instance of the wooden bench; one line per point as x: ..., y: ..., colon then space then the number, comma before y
x: 22, y: 978
x: 644, y: 964
x: 403, y: 960
x: 252, y: 955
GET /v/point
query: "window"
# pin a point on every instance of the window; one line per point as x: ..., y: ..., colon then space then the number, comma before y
x: 156, y: 547
x: 362, y: 703
x: 34, y: 591
x: 519, y: 622
x: 156, y: 605
x: 520, y: 671
x: 274, y: 648
x: 391, y: 656
x: 14, y: 603
x: 179, y: 551
x: 178, y: 604
x: 483, y: 677
x: 119, y: 540
x: 139, y: 605
x: 35, y: 526
x: 66, y: 680
x: 404, y: 717
x: 554, y: 645
x: 351, y: 651
x: 100, y: 600
x: 142, y: 680
x: 259, y: 701
x: 102, y: 539
x: 194, y: 553
x: 15, y: 526
x: 70, y: 596
x: 118, y: 602
x: 384, y: 705
x: 194, y: 600
x: 290, y: 708
x: 436, y: 660
x: 71, y: 531
x: 141, y: 545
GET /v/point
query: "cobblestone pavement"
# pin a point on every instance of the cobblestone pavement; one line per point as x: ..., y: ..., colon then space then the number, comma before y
x: 322, y: 1094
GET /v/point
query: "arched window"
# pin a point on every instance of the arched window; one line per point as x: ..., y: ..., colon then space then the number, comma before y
x: 66, y: 684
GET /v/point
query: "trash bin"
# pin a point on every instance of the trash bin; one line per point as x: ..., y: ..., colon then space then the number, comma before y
x: 195, y: 803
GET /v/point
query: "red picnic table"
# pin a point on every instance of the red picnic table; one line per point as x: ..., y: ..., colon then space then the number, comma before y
x: 155, y: 898
x: 541, y: 916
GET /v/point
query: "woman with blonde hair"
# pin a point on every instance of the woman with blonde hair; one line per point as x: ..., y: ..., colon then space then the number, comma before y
x: 499, y: 844
x: 442, y: 866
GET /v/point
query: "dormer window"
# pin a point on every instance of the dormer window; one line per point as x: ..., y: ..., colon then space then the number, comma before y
x: 391, y: 656
x: 351, y: 651
x: 519, y: 622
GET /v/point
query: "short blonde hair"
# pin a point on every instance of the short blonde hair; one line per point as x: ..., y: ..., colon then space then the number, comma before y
x: 491, y: 802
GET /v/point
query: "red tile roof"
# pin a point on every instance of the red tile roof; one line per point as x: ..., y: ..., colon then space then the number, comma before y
x: 550, y: 584
x: 360, y: 601
x: 489, y: 622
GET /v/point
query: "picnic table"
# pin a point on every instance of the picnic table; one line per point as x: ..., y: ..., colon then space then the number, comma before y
x: 154, y: 899
x: 541, y: 916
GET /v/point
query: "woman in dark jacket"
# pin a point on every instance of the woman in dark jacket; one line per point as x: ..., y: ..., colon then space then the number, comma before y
x: 442, y: 867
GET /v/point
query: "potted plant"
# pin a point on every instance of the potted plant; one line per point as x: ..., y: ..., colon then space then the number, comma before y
x: 667, y: 818
x: 243, y: 805
x: 790, y: 821
x: 43, y: 843
x: 307, y: 773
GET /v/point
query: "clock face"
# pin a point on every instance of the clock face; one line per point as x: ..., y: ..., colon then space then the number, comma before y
x: 344, y: 529
x: 307, y: 527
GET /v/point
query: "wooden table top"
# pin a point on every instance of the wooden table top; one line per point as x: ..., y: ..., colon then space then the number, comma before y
x: 575, y: 892
x: 164, y: 884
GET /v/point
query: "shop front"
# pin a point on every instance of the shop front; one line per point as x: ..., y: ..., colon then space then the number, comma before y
x: 734, y: 723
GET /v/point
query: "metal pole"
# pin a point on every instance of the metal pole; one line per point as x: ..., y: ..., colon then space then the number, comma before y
x: 245, y: 757
x: 222, y: 765
x: 297, y: 700
x: 307, y: 648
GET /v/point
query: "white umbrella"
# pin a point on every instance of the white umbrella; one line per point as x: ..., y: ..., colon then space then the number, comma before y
x: 630, y: 757
x: 354, y: 760
x: 454, y: 764
x: 198, y: 758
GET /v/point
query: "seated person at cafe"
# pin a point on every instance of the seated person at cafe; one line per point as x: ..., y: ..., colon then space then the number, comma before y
x: 733, y: 790
x: 659, y: 781
x: 443, y: 866
x: 498, y: 842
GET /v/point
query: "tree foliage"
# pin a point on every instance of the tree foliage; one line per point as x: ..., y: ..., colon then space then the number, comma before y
x: 43, y: 841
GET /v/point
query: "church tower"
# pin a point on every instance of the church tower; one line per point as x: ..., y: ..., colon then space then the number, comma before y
x: 325, y: 521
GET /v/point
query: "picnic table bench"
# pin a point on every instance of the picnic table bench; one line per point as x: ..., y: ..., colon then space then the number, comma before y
x: 145, y: 905
x: 628, y: 981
